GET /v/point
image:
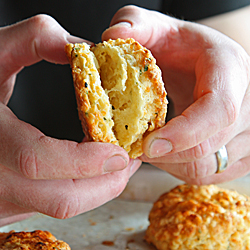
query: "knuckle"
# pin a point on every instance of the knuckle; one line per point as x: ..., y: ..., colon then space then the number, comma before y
x: 40, y: 20
x: 231, y: 109
x: 65, y: 207
x: 200, y: 151
x: 127, y: 10
x: 40, y: 25
x: 27, y: 163
x: 190, y: 170
x: 195, y: 170
x: 85, y: 170
x: 130, y: 9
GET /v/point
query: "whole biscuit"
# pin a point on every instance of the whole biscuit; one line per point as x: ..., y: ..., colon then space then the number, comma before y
x: 36, y: 240
x: 200, y: 218
x: 119, y: 90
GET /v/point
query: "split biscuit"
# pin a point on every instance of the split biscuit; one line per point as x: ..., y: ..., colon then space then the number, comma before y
x: 36, y: 240
x: 119, y: 91
x: 200, y: 218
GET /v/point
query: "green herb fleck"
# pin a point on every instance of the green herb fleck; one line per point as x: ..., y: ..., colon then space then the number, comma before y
x: 140, y: 72
x: 105, y: 119
x: 146, y: 68
x: 86, y: 113
x: 86, y: 84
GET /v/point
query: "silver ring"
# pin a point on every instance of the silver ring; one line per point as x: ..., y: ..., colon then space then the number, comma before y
x: 222, y: 159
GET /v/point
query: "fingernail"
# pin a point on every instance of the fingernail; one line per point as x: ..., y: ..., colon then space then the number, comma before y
x: 75, y: 39
x: 159, y: 147
x: 115, y: 163
x: 124, y: 24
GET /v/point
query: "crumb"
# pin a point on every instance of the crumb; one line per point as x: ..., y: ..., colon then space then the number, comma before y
x: 108, y: 243
x: 130, y: 229
x: 131, y: 241
x: 92, y: 223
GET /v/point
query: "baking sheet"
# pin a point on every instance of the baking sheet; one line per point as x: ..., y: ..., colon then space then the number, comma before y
x: 121, y: 223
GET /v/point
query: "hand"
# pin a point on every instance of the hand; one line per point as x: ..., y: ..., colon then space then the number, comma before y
x: 206, y: 75
x: 59, y: 178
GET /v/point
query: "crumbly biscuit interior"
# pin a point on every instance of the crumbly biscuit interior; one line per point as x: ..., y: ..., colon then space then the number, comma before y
x: 121, y: 79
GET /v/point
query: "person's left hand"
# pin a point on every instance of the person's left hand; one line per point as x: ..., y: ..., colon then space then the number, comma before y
x: 38, y: 173
x: 206, y: 75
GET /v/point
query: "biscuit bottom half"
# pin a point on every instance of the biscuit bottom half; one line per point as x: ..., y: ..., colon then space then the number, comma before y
x: 119, y: 90
x: 206, y: 217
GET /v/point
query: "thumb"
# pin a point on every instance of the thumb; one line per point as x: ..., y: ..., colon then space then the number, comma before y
x: 145, y: 26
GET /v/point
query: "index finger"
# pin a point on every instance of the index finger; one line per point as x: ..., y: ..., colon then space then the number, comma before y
x: 32, y: 40
x: 28, y: 42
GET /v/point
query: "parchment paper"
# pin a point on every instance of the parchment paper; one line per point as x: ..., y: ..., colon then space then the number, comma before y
x: 121, y: 223
x: 114, y: 225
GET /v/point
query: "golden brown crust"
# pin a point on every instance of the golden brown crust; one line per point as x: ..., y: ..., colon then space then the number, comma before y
x: 200, y: 218
x: 124, y: 76
x: 36, y: 240
x: 88, y: 92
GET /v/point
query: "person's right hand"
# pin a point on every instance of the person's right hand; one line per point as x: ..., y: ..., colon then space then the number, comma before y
x: 59, y: 178
x: 206, y: 75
